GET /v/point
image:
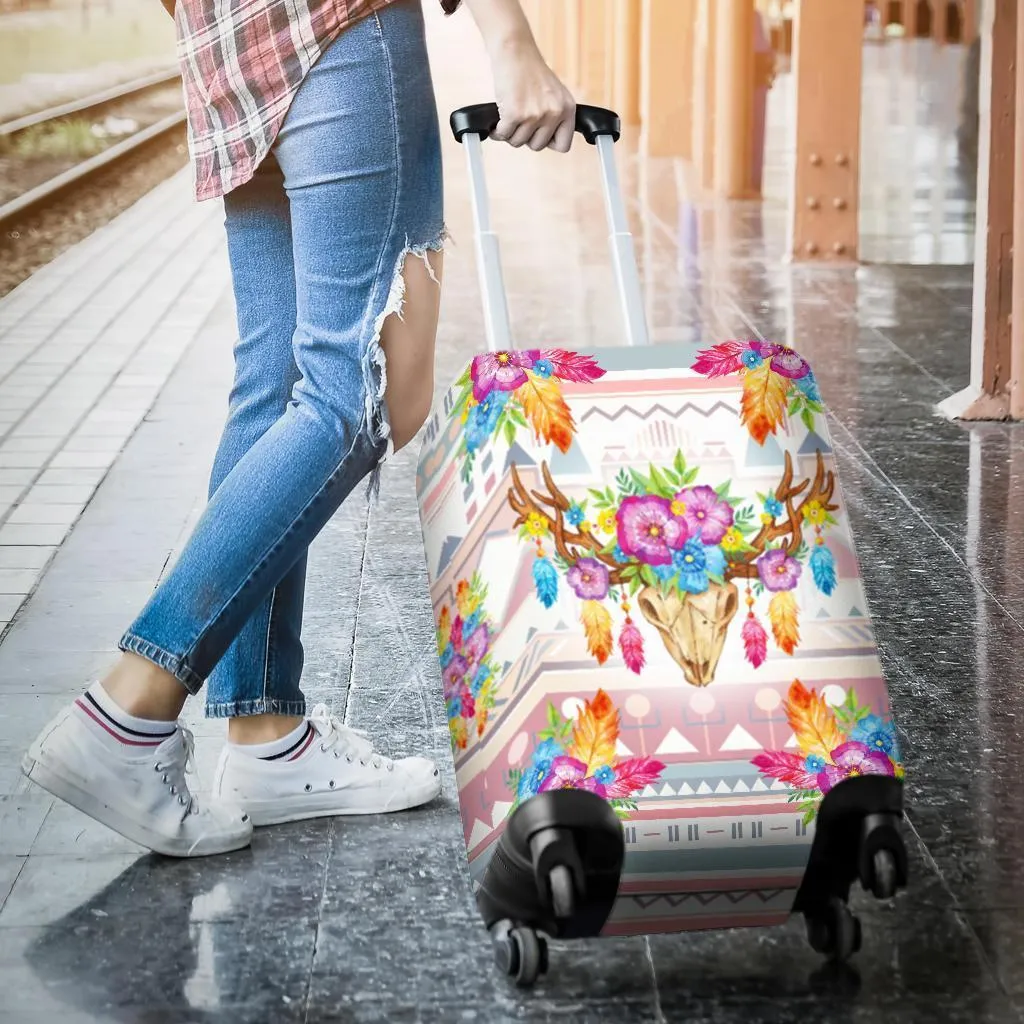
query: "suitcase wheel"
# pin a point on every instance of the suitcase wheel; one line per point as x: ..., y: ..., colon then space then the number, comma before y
x: 520, y: 953
x: 835, y: 932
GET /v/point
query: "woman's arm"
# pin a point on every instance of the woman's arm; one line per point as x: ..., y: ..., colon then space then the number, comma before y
x: 536, y: 108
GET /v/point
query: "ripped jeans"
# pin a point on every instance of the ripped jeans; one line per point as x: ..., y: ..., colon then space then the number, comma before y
x: 317, y: 242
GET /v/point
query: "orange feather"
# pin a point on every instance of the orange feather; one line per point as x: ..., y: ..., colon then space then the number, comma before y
x: 597, y: 624
x: 542, y: 401
x: 764, y: 401
x: 784, y: 615
x: 594, y: 733
x: 813, y: 721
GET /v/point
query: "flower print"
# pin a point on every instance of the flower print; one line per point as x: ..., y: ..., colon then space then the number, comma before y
x: 644, y: 528
x: 462, y: 704
x: 585, y: 526
x: 852, y: 759
x: 877, y: 734
x: 480, y: 679
x: 606, y: 521
x: 619, y: 555
x: 733, y: 540
x: 778, y: 571
x: 772, y: 506
x: 814, y: 764
x: 569, y: 773
x: 766, y: 349
x: 575, y: 514
x: 788, y: 364
x: 454, y: 674
x: 678, y: 508
x: 665, y: 573
x: 500, y: 371
x: 476, y: 433
x: 714, y: 560
x: 751, y: 359
x: 536, y: 524
x: 476, y: 646
x: 446, y: 655
x: 543, y: 368
x: 814, y: 512
x: 706, y: 514
x: 605, y: 775
x: 588, y: 579
x: 537, y: 770
x: 471, y: 623
x: 691, y: 563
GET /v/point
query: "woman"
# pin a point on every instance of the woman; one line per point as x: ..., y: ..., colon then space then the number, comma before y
x: 315, y: 120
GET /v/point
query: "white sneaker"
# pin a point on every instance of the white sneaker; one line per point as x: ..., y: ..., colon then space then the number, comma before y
x: 335, y: 771
x: 142, y: 795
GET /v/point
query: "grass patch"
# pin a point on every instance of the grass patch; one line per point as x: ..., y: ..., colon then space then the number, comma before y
x: 71, y: 139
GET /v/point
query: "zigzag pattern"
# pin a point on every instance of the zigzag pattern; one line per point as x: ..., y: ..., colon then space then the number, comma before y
x: 707, y: 898
x: 661, y: 410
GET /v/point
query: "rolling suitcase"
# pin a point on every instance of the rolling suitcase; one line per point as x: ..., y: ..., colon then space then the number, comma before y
x: 665, y: 703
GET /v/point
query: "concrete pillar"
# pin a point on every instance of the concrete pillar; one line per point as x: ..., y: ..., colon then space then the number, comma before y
x: 1017, y: 304
x: 828, y: 41
x: 625, y: 26
x: 995, y: 359
x: 734, y: 100
x: 704, y: 94
x: 666, y: 77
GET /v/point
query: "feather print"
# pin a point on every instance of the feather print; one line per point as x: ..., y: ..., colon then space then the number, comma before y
x: 631, y: 643
x: 812, y: 721
x: 764, y: 401
x: 755, y: 641
x: 546, y: 410
x: 594, y: 733
x: 783, y: 613
x: 632, y: 775
x: 788, y: 768
x: 444, y: 628
x: 572, y: 366
x: 545, y: 580
x: 719, y: 360
x: 597, y: 624
x: 823, y: 569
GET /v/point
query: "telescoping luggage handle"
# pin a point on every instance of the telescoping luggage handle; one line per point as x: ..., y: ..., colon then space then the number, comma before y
x: 601, y: 128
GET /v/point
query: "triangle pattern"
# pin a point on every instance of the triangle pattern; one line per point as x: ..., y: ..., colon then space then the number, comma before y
x: 856, y: 613
x: 759, y: 786
x: 572, y: 461
x: 723, y: 788
x: 704, y: 789
x: 741, y: 787
x: 479, y: 833
x: 791, y: 742
x: 675, y: 743
x: 814, y: 443
x: 448, y: 549
x: 622, y: 750
x: 822, y: 614
x: 686, y: 789
x: 649, y: 791
x: 770, y: 454
x: 778, y: 784
x: 740, y: 739
x: 500, y: 811
x: 517, y: 455
x: 667, y: 790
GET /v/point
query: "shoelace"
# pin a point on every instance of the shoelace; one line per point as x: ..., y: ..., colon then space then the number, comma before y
x: 175, y: 766
x: 343, y: 739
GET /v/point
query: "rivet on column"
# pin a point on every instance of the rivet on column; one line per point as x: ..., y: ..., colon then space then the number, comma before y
x: 842, y: 159
x: 815, y: 160
x: 838, y: 248
x: 813, y: 203
x: 839, y: 203
x: 812, y: 248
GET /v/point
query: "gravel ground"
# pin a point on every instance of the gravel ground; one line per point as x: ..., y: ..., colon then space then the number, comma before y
x: 44, y: 235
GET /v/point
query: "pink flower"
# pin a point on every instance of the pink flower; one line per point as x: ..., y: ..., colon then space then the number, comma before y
x: 588, y: 579
x: 454, y: 676
x: 476, y: 646
x: 766, y: 349
x: 788, y: 364
x: 852, y: 759
x: 569, y: 773
x: 778, y: 571
x: 647, y: 529
x: 706, y: 515
x: 503, y: 371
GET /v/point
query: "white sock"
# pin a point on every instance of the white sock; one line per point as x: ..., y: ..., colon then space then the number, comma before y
x: 287, y: 748
x: 123, y: 732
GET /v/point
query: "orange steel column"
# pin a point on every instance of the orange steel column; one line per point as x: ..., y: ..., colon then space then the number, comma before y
x: 556, y: 58
x: 625, y: 30
x: 969, y: 20
x: 572, y: 43
x: 827, y: 46
x: 666, y: 76
x: 704, y: 94
x: 1017, y: 306
x: 734, y: 100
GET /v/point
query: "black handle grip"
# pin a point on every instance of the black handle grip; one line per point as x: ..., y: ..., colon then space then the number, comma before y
x: 482, y: 118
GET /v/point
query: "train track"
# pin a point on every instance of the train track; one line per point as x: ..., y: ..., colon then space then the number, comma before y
x: 43, y: 193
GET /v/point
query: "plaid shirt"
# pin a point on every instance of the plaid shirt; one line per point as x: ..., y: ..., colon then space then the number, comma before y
x: 242, y: 61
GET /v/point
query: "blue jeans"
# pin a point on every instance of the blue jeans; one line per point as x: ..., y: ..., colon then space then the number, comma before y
x: 317, y: 241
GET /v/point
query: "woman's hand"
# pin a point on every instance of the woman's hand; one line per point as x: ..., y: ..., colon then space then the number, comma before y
x: 535, y: 108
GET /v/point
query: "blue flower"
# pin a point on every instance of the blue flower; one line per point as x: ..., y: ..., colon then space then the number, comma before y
x: 471, y: 623
x: 809, y: 386
x: 546, y: 752
x: 691, y: 561
x: 575, y: 514
x: 455, y: 707
x: 751, y: 359
x: 876, y: 733
x: 665, y: 573
x: 772, y: 505
x: 543, y: 368
x: 480, y: 679
x: 714, y: 560
x: 491, y: 408
x: 814, y: 764
x: 538, y: 769
x: 620, y: 555
x: 605, y: 775
x: 446, y: 655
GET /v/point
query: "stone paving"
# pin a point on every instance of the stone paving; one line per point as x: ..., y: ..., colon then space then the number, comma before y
x: 123, y: 351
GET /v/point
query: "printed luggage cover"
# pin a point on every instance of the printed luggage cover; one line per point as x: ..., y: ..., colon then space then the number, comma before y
x: 644, y: 585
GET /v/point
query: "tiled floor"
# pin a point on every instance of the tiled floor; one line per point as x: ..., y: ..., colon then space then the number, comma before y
x: 373, y: 920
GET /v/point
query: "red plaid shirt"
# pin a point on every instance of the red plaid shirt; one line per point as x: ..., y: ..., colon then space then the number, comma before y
x: 242, y: 61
